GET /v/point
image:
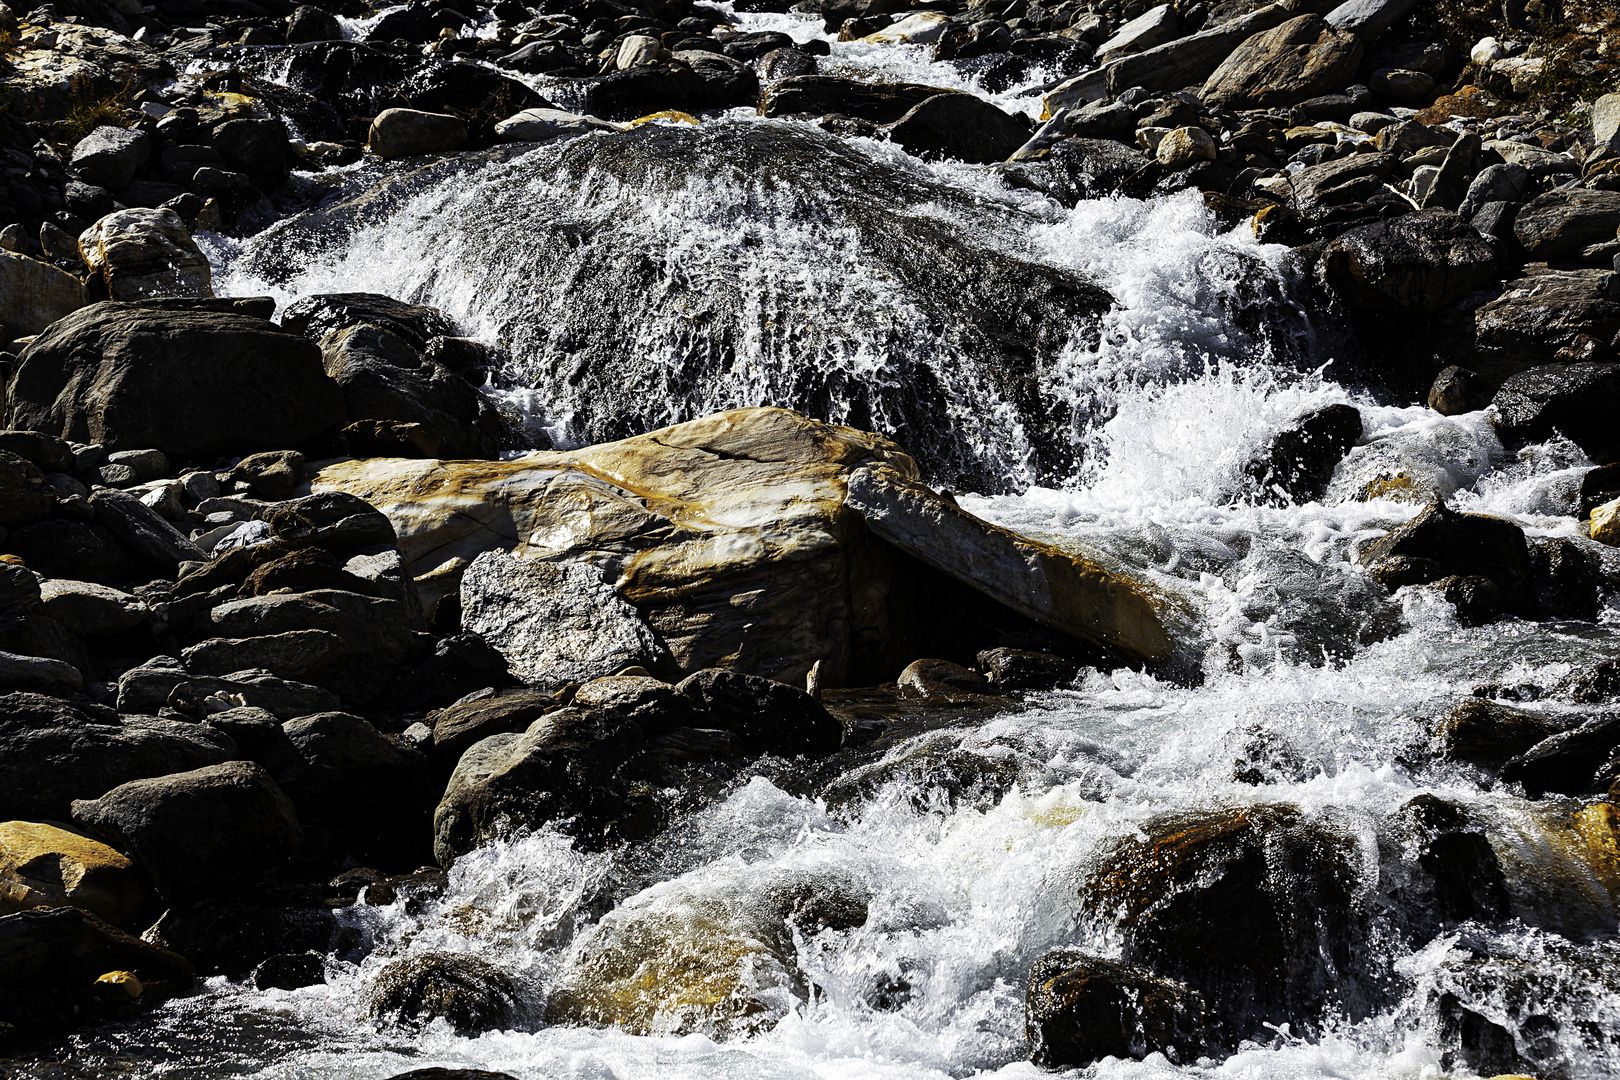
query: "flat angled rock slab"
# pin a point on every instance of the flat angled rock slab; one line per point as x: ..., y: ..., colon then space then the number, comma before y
x: 745, y: 541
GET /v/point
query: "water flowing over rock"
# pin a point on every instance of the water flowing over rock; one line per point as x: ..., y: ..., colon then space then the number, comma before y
x: 761, y: 541
x: 922, y: 312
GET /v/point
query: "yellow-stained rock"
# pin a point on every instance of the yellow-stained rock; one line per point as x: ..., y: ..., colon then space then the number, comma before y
x: 758, y: 540
x: 44, y: 866
x: 1598, y: 828
x: 1606, y: 523
x: 120, y: 984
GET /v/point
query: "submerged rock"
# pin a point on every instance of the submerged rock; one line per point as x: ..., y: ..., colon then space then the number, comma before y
x: 740, y: 541
x: 1079, y: 1009
x: 1259, y: 909
x: 469, y: 993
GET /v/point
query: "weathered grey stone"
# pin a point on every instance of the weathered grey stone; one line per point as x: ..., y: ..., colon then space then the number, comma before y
x: 91, y: 610
x: 164, y: 680
x: 34, y: 294
x: 1369, y: 18
x: 199, y: 833
x: 1300, y: 59
x: 302, y: 655
x: 187, y: 382
x: 538, y: 125
x: 52, y: 753
x: 1143, y: 32
x: 1606, y: 123
x: 1562, y: 223
x: 38, y: 673
x: 145, y: 253
x: 554, y: 624
x: 142, y: 529
x: 1495, y: 183
x: 111, y: 156
x: 397, y: 133
x: 1190, y: 60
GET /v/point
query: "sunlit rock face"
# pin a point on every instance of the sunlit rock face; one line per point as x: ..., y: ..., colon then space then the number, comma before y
x: 762, y: 541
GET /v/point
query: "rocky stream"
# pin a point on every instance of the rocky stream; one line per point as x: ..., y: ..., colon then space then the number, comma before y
x: 586, y: 539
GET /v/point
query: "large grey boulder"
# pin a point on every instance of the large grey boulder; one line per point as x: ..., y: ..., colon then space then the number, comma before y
x: 199, y: 833
x: 164, y: 681
x: 1577, y: 401
x: 1541, y: 313
x: 554, y: 624
x: 111, y: 156
x: 91, y: 610
x: 186, y: 382
x: 397, y: 133
x: 52, y: 753
x: 1298, y: 60
x: 142, y: 253
x: 539, y: 125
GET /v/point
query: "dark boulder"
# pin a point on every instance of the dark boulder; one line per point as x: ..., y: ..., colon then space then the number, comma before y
x: 1076, y: 169
x: 1568, y: 578
x: 334, y: 521
x: 1488, y: 733
x: 1539, y: 315
x: 61, y: 548
x: 1566, y: 763
x: 726, y: 82
x: 1298, y: 462
x: 1455, y: 391
x: 654, y: 706
x: 959, y: 126
x: 1079, y: 1009
x: 1563, y: 222
x: 1010, y: 670
x: 1303, y: 58
x: 142, y: 529
x: 257, y: 149
x: 383, y: 379
x: 1464, y: 545
x: 52, y: 753
x: 188, y: 383
x: 785, y: 64
x: 1256, y: 908
x: 1578, y: 401
x: 458, y: 726
x: 562, y: 766
x: 309, y: 23
x: 452, y: 1074
x: 23, y: 496
x: 372, y: 795
x: 468, y: 993
x: 646, y: 89
x: 1416, y: 263
x: 767, y: 715
x: 941, y: 682
x: 821, y: 95
x: 1476, y: 598
x: 200, y: 833
x: 232, y: 936
x: 321, y: 314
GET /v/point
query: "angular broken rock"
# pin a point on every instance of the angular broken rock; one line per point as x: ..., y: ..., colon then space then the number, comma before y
x: 554, y: 624
x: 758, y: 540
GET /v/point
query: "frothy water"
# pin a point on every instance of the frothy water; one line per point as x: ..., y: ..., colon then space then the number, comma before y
x: 933, y: 898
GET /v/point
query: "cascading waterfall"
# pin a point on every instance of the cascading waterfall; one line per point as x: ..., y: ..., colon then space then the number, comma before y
x: 881, y: 924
